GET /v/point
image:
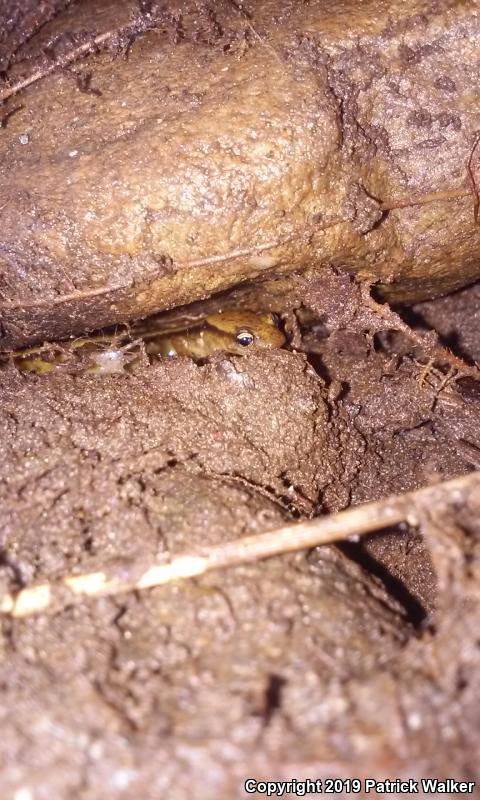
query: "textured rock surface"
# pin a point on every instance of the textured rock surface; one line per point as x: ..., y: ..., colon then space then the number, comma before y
x: 227, y: 146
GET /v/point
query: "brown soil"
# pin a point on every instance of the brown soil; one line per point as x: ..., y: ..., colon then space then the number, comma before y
x: 358, y: 660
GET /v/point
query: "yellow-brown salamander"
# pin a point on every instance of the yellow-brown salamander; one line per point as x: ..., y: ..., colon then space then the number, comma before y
x: 233, y: 331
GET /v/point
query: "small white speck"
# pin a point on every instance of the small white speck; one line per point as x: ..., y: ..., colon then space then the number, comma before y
x: 73, y: 153
x: 123, y: 103
x: 24, y: 138
x: 414, y: 721
x: 96, y: 750
x: 121, y: 778
x: 23, y: 794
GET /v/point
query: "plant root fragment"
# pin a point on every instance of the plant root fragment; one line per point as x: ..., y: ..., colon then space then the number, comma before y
x: 438, y: 353
x: 411, y: 508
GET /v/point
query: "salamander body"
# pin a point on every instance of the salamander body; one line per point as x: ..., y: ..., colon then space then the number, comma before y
x: 232, y: 331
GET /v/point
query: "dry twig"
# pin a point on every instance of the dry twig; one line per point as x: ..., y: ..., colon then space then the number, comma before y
x: 473, y: 180
x: 74, y: 55
x: 423, y: 199
x: 353, y: 522
x: 439, y: 353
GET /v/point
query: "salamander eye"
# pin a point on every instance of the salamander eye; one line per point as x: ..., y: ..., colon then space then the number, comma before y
x: 245, y: 337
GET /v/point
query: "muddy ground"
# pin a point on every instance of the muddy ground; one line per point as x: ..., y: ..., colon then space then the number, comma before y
x: 358, y: 660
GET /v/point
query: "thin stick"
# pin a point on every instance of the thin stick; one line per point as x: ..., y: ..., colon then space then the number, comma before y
x: 439, y: 352
x: 471, y: 174
x: 445, y: 194
x: 266, y: 44
x: 357, y: 521
x: 424, y: 199
x: 306, y: 230
x: 79, y: 52
x: 247, y: 17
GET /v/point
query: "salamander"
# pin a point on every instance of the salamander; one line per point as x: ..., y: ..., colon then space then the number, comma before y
x: 231, y: 331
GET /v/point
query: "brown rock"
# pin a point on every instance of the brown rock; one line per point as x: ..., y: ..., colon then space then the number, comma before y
x: 233, y: 144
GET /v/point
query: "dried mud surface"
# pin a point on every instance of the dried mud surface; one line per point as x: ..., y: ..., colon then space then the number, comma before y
x: 359, y: 660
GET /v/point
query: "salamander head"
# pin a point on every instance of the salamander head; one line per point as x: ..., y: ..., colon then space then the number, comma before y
x: 247, y: 330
